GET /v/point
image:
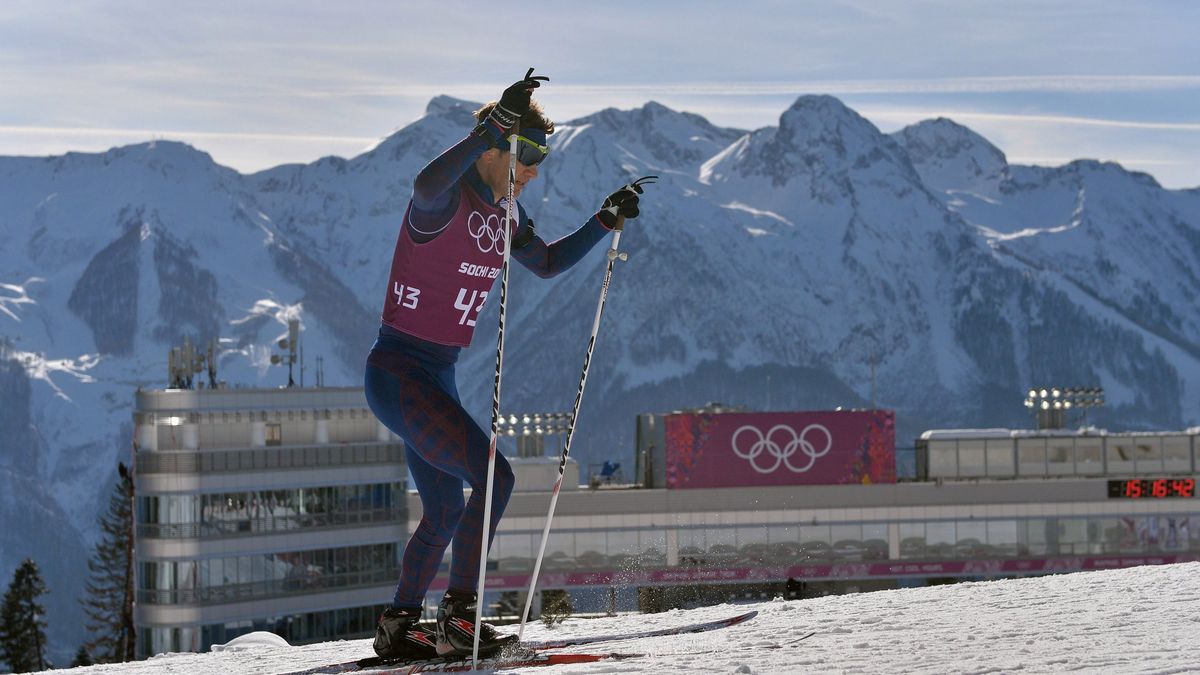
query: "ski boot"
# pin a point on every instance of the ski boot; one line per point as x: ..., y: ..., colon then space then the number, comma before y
x: 456, y: 628
x: 398, y: 636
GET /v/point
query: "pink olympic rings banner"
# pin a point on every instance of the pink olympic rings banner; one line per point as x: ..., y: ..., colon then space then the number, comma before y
x: 840, y: 447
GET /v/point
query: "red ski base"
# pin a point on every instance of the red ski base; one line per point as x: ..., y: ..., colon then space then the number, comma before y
x: 380, y: 667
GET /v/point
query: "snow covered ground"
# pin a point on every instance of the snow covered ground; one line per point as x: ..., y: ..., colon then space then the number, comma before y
x: 1135, y: 620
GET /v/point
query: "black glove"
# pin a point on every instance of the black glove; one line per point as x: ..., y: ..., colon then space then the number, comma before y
x: 514, y: 102
x: 623, y: 203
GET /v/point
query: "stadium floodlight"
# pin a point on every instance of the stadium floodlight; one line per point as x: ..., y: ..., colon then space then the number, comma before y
x: 1050, y: 404
x: 529, y: 425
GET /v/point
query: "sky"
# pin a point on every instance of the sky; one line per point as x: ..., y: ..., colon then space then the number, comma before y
x: 258, y: 84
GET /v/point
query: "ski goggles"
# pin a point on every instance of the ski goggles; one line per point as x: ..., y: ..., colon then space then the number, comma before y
x: 529, y: 151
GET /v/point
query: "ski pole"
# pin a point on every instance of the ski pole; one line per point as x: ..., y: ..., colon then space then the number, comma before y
x: 613, y: 255
x: 491, y: 470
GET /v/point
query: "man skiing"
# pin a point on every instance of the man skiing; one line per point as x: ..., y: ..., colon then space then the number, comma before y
x: 448, y: 254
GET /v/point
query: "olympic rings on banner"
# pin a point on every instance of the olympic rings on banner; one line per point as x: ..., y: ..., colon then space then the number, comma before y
x: 777, y: 447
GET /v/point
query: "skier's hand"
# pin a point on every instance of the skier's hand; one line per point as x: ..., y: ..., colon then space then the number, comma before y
x: 514, y: 102
x: 623, y: 204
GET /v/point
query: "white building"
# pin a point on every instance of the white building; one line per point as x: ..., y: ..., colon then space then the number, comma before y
x: 287, y: 510
x: 981, y: 504
x: 263, y: 509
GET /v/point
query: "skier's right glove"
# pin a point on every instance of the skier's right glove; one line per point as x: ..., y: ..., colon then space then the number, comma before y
x: 623, y: 203
x: 514, y: 102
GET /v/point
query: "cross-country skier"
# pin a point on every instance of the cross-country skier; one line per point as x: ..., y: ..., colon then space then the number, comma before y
x: 448, y: 255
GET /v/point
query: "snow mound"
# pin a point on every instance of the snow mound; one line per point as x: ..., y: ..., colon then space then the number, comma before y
x: 256, y: 640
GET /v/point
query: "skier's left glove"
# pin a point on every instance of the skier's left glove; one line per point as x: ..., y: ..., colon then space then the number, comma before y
x: 623, y: 204
x: 515, y: 102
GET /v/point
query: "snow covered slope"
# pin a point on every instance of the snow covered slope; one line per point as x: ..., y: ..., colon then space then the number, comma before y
x: 1134, y: 620
x: 770, y: 268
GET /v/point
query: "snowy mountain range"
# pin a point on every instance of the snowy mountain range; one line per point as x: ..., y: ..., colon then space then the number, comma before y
x: 769, y: 269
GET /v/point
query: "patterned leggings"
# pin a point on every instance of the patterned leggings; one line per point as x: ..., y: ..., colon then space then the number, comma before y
x: 417, y: 399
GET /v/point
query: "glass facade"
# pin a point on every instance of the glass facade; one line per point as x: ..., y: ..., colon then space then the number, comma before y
x: 261, y: 511
x: 581, y: 549
x: 248, y: 577
x: 1036, y: 537
x: 1024, y: 456
x: 776, y: 544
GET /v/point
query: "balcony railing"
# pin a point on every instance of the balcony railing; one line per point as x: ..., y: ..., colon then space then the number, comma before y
x: 217, y: 529
x: 262, y: 590
x: 269, y: 458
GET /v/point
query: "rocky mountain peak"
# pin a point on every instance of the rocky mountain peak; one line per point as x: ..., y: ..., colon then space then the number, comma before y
x: 658, y: 135
x: 820, y: 142
x: 949, y: 156
x: 448, y: 105
x: 943, y: 138
x: 823, y: 120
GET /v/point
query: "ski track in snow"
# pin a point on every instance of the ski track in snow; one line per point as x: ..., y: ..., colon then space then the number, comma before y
x: 1136, y: 620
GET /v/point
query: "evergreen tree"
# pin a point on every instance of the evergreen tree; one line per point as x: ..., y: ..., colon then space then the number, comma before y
x: 109, y: 602
x: 556, y: 606
x: 82, y: 658
x: 22, y: 622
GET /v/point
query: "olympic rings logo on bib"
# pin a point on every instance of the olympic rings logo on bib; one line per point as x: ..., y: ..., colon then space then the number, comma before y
x: 767, y: 452
x: 488, y: 232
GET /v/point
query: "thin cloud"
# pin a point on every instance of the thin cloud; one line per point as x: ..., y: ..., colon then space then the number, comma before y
x: 165, y: 133
x: 953, y: 85
x: 907, y: 116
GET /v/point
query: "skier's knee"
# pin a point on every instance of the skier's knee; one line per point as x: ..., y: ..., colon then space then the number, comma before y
x: 439, y: 531
x: 504, y: 482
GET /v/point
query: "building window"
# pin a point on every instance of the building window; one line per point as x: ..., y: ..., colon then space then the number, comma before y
x: 274, y: 433
x: 262, y: 511
x: 1177, y: 453
x: 272, y: 575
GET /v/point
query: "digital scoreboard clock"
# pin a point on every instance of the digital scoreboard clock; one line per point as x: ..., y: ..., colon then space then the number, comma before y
x: 1151, y: 488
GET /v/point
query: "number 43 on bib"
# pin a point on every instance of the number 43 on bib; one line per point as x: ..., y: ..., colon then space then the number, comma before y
x: 469, y: 309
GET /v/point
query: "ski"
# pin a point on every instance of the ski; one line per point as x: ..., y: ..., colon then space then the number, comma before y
x: 615, y: 637
x: 457, y: 665
x: 540, y: 646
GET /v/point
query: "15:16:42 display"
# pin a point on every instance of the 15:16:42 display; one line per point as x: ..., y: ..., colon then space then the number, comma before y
x: 1151, y: 488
